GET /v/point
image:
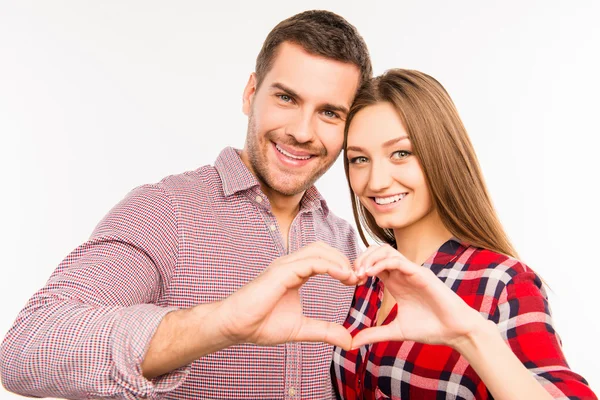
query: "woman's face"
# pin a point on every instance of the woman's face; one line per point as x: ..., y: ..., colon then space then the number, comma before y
x: 384, y: 173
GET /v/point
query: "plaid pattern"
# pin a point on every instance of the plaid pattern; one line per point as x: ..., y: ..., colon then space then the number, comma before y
x: 503, y: 289
x: 192, y: 238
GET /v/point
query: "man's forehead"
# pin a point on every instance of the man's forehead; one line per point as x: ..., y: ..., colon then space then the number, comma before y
x: 312, y: 75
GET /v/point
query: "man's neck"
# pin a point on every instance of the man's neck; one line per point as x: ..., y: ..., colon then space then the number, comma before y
x: 420, y: 240
x: 284, y: 208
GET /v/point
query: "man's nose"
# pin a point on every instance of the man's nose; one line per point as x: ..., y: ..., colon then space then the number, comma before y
x: 302, y: 128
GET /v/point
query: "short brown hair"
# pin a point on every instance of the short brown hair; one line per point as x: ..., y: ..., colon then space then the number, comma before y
x: 445, y: 153
x: 321, y: 33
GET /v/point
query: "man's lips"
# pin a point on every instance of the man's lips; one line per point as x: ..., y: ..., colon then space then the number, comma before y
x: 293, y: 153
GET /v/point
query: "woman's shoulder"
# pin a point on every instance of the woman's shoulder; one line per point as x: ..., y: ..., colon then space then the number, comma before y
x: 486, y: 258
x: 500, y: 267
x: 489, y: 279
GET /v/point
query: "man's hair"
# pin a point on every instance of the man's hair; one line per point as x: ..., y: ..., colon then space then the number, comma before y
x: 321, y: 33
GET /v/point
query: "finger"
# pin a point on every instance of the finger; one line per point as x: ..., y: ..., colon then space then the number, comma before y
x: 359, y: 262
x: 344, y: 274
x: 335, y: 254
x: 381, y: 253
x: 314, y: 330
x: 273, y: 283
x: 322, y: 250
x: 293, y: 275
x: 376, y: 334
x: 320, y: 259
x: 394, y: 263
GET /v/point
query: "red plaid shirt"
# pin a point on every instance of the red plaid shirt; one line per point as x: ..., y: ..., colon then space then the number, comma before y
x: 192, y: 238
x: 503, y: 289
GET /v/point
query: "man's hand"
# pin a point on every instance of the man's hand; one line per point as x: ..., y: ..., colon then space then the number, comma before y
x: 268, y: 311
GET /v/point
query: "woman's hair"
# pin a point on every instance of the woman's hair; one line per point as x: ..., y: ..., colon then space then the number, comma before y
x: 445, y: 153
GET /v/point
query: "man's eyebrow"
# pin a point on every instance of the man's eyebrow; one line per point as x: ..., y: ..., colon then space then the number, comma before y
x: 328, y: 106
x: 386, y: 144
x: 286, y: 89
x: 333, y: 107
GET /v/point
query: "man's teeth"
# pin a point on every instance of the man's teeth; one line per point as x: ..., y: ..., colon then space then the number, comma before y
x: 285, y: 153
x: 389, y: 200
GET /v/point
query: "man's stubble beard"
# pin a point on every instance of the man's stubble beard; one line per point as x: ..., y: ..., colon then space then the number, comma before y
x: 259, y: 164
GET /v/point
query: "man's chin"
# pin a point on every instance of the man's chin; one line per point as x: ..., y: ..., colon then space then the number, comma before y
x: 290, y: 189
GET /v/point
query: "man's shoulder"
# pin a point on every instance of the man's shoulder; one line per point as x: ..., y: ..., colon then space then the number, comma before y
x: 201, y: 179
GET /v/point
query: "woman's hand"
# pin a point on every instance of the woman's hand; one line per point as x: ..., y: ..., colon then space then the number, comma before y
x: 428, y: 310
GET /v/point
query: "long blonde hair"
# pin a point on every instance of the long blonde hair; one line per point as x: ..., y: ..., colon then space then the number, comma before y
x: 445, y: 153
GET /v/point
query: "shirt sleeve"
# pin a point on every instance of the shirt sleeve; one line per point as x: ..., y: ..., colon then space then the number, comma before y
x: 525, y: 322
x: 84, y: 335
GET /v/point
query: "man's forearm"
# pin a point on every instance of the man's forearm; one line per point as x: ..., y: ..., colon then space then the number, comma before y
x: 182, y: 337
x: 71, y: 350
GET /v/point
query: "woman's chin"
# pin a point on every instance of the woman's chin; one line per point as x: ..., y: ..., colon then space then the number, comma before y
x: 386, y: 223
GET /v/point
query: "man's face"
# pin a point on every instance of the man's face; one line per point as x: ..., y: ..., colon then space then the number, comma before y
x: 296, y: 119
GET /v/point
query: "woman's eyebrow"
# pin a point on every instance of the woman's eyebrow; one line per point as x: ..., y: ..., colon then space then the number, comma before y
x: 394, y: 141
x: 386, y: 144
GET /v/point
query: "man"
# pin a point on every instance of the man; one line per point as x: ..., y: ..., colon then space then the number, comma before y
x: 222, y: 282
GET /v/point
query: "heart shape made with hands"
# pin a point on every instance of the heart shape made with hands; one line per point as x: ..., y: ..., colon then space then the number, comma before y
x: 268, y: 310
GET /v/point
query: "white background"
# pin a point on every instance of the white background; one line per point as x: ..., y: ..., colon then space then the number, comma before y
x: 99, y: 97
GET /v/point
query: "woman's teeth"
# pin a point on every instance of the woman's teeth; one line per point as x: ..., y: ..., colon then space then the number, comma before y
x: 389, y: 200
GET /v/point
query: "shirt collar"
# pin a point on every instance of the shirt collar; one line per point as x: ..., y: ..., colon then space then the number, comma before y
x: 236, y: 177
x: 447, y: 253
x: 234, y: 174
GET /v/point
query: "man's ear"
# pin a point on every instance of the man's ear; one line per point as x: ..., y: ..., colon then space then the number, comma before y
x: 248, y: 95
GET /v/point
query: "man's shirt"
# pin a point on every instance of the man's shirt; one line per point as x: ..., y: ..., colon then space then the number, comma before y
x: 190, y: 239
x: 503, y: 290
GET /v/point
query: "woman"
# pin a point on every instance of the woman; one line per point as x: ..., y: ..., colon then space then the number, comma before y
x: 439, y: 331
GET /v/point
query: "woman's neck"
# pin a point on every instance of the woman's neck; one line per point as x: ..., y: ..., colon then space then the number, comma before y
x: 419, y: 241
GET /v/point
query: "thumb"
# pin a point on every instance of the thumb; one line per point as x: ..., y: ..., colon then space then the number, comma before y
x: 373, y: 335
x: 314, y: 330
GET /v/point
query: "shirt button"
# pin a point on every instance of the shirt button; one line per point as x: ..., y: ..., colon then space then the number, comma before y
x: 292, y: 392
x: 273, y: 227
x: 258, y: 199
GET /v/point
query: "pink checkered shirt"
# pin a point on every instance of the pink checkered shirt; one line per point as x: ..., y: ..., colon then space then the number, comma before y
x: 192, y: 238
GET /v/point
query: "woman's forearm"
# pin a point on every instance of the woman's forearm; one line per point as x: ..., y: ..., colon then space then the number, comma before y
x: 503, y: 373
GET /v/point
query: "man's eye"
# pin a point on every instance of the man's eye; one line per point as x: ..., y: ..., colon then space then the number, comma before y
x: 285, y: 98
x: 401, y: 154
x: 358, y: 160
x: 330, y: 114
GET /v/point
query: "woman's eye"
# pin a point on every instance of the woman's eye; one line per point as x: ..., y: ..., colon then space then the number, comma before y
x: 358, y: 160
x: 400, y: 154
